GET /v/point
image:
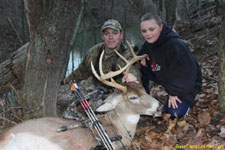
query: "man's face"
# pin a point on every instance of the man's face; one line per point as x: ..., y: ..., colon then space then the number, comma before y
x: 112, y: 38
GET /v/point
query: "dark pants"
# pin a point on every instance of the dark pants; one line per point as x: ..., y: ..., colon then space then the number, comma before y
x: 181, y: 111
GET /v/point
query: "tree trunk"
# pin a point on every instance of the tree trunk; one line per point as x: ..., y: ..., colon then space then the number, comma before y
x: 34, y: 10
x: 222, y: 67
x: 49, y: 54
x: 161, y: 10
x: 125, y: 21
x: 171, y: 12
x: 219, y: 7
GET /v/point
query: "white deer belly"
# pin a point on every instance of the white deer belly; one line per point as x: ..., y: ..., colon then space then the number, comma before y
x: 27, y: 141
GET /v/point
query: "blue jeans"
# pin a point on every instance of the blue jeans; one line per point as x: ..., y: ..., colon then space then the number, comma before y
x: 182, y: 110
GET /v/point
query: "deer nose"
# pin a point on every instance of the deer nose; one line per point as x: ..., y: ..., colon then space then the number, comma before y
x: 160, y: 107
x: 158, y: 113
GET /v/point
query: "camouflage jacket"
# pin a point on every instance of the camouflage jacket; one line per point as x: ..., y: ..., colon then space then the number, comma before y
x: 83, y: 72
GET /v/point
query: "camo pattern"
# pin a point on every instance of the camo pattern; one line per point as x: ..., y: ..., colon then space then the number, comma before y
x: 83, y: 72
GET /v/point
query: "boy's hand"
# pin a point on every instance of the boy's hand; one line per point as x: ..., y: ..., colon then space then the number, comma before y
x: 129, y: 78
x: 143, y: 61
x: 173, y: 101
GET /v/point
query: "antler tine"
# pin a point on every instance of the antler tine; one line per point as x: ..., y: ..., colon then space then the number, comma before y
x: 134, y: 59
x: 100, y: 64
x: 112, y: 83
x: 130, y: 47
x: 124, y: 59
x: 109, y: 75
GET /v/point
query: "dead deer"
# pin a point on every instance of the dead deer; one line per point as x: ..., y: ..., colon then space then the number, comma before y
x: 123, y: 111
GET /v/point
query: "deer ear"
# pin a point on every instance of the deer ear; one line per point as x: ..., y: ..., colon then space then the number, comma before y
x: 105, y: 107
x: 110, y: 103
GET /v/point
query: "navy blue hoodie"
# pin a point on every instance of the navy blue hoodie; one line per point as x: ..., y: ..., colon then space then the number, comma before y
x: 172, y: 65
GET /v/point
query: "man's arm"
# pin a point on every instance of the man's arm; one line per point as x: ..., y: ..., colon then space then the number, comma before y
x: 83, y: 72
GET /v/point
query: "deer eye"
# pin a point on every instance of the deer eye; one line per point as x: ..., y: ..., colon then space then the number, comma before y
x: 133, y: 97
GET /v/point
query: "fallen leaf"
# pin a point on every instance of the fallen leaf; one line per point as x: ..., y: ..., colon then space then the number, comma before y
x: 222, y: 121
x: 181, y: 123
x: 200, y: 132
x: 172, y: 124
x: 222, y: 133
x: 204, y: 118
x: 166, y: 117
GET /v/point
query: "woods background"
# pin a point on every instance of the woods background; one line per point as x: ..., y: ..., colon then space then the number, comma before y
x: 37, y: 37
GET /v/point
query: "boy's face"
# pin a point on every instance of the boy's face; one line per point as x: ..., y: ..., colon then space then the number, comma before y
x: 112, y: 38
x: 151, y: 30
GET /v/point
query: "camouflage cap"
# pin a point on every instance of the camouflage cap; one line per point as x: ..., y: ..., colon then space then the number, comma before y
x: 113, y: 24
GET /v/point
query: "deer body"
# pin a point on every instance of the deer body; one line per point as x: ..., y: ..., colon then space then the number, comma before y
x: 41, y: 134
x: 122, y: 118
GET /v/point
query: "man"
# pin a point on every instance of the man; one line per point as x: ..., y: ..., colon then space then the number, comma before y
x: 112, y: 36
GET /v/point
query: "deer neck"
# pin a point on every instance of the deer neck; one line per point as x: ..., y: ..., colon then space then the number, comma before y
x: 125, y: 124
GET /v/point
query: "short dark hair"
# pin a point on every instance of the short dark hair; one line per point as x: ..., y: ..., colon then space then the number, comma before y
x: 151, y: 16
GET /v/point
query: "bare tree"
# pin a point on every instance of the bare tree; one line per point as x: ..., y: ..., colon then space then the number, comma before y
x: 170, y: 7
x: 125, y: 20
x: 219, y: 7
x: 51, y: 25
x: 222, y: 66
x: 167, y: 10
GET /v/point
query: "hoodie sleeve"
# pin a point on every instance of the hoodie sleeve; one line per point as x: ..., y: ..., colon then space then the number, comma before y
x: 182, y: 70
x: 144, y: 72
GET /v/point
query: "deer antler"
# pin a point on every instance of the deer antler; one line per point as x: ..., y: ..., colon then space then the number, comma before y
x: 110, y: 75
x: 103, y: 77
x: 133, y: 60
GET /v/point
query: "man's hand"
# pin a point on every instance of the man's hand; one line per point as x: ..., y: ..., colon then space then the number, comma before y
x: 173, y: 101
x: 129, y: 78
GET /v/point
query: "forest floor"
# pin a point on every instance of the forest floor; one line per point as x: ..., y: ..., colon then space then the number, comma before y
x: 204, y: 127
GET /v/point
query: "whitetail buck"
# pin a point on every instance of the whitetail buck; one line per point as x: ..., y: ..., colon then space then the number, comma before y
x: 123, y: 113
